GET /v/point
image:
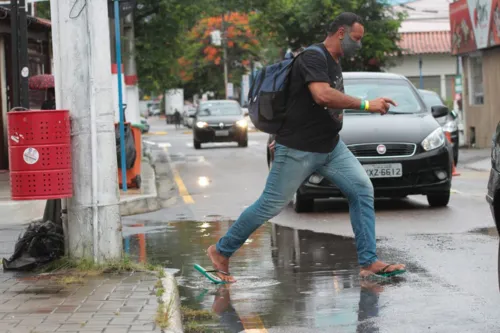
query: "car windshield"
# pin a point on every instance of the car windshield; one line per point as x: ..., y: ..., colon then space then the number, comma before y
x: 397, y: 90
x: 431, y: 99
x: 219, y: 109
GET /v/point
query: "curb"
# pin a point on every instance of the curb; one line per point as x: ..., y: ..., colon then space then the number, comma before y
x: 163, y: 197
x: 172, y: 303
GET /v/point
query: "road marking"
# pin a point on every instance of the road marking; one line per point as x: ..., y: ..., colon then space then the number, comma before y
x: 253, y: 324
x: 183, y: 192
x: 155, y: 133
x: 164, y: 145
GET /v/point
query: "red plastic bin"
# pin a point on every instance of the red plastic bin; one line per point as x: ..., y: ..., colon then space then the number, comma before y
x: 40, y: 154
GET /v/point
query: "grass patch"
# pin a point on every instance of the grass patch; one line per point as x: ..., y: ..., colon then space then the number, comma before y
x: 90, y: 268
x: 190, y: 315
x: 197, y: 321
x: 160, y: 292
x: 164, y: 309
x: 71, y: 271
x: 162, y: 316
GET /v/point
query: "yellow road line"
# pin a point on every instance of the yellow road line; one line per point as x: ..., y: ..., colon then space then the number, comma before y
x: 183, y: 192
x: 253, y: 324
x: 155, y: 133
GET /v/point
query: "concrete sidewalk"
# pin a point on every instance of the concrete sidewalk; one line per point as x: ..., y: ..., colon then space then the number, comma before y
x: 475, y: 159
x: 109, y: 303
x: 134, y: 201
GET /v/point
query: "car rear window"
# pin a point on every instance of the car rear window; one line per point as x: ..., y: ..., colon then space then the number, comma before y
x: 397, y: 90
x: 219, y: 109
x: 431, y: 99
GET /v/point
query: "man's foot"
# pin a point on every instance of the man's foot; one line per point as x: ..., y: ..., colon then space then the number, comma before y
x: 379, y: 267
x: 220, y: 263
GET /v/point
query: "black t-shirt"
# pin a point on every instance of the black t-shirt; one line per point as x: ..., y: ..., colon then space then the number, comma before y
x: 308, y: 126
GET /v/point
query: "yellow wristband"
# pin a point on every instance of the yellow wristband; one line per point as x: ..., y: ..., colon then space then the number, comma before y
x: 367, y: 106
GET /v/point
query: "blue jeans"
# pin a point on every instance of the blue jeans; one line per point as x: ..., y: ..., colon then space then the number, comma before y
x: 289, y: 170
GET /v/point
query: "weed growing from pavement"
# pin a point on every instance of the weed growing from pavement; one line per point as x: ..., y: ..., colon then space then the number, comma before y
x: 69, y: 271
x: 164, y: 309
x: 89, y: 266
x: 196, y: 321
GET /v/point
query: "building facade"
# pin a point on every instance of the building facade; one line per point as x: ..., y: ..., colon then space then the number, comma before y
x: 475, y: 27
x: 39, y: 57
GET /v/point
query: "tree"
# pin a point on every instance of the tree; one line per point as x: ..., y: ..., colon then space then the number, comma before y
x: 159, y: 29
x: 297, y: 23
x: 202, y: 63
x: 42, y: 10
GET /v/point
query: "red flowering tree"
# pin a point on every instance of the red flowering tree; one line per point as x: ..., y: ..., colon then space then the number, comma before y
x: 202, y: 68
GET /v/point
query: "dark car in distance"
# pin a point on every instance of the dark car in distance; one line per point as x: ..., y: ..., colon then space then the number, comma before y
x: 493, y: 196
x: 404, y: 152
x: 219, y: 121
x: 448, y: 122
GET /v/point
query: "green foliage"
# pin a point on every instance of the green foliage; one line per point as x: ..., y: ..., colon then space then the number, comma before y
x: 159, y: 29
x: 42, y: 10
x: 298, y: 23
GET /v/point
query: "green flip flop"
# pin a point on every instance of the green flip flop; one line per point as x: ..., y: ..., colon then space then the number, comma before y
x: 210, y: 274
x: 383, y: 272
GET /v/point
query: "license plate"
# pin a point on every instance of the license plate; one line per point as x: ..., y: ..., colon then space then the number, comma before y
x: 221, y: 133
x: 394, y: 170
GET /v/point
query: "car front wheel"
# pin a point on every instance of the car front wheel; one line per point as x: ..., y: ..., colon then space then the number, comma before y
x: 440, y: 199
x: 301, y: 204
x: 243, y: 143
x: 196, y: 144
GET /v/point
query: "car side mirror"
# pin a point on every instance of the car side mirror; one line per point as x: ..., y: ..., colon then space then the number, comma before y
x: 439, y: 111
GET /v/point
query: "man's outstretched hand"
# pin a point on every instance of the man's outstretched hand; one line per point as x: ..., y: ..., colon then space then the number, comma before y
x: 381, y: 105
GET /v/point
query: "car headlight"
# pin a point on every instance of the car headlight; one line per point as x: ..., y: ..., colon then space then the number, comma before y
x: 450, y: 126
x: 242, y: 123
x: 434, y: 140
x: 201, y: 124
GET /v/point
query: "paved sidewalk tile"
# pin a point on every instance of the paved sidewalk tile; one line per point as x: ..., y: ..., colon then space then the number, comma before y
x: 106, y: 304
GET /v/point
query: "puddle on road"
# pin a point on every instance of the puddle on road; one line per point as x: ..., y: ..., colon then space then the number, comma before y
x: 286, y: 277
x: 300, y: 281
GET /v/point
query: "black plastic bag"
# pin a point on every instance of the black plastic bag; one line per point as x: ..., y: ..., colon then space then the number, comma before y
x: 130, y: 152
x: 41, y: 243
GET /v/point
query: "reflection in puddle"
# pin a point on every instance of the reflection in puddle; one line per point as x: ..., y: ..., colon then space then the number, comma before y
x: 286, y: 277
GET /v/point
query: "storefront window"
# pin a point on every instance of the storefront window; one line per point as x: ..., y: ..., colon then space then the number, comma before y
x: 476, y: 80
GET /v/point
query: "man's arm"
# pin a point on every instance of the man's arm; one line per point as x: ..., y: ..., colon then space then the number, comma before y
x: 325, y: 95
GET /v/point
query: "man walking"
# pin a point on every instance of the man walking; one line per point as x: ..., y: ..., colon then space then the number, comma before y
x: 309, y: 142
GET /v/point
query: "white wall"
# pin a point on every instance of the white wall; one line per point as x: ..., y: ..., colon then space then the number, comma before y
x: 432, y: 65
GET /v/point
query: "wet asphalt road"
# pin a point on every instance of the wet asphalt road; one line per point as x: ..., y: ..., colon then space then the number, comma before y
x: 299, y: 274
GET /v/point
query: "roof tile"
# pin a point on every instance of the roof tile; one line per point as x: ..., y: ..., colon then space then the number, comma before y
x: 425, y: 42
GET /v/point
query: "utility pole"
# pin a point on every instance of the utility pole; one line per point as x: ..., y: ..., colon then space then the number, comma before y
x: 81, y: 43
x: 15, y: 52
x: 224, y: 47
x: 20, y: 61
x: 23, y: 54
x: 131, y: 70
